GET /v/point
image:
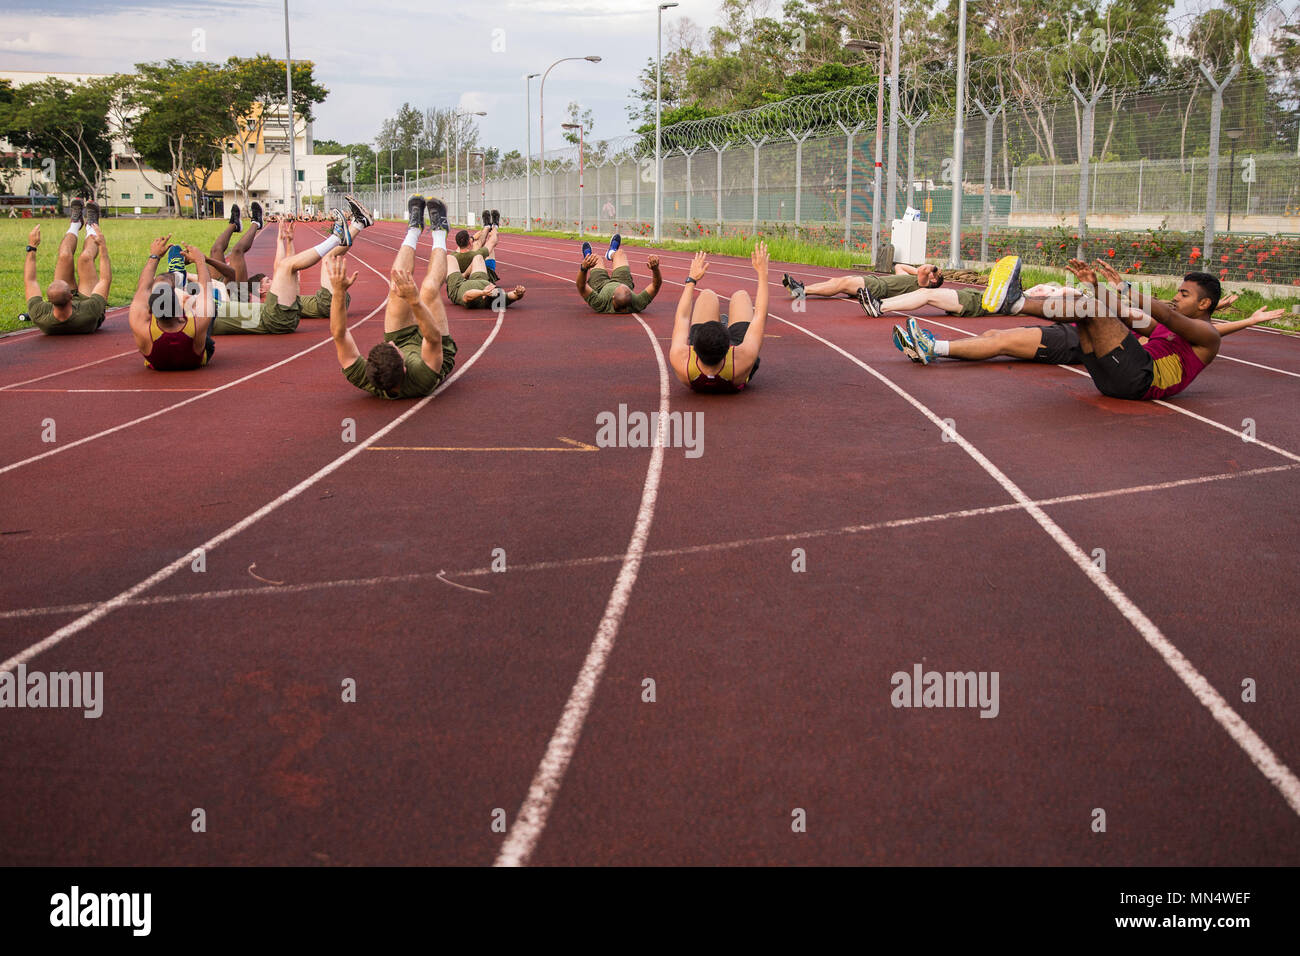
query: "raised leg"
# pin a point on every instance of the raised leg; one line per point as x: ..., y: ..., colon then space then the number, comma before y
x: 86, y: 273
x: 706, y: 308
x: 63, y: 264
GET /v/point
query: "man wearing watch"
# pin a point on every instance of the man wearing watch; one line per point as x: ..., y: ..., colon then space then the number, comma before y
x: 173, y: 327
x: 73, y: 304
x: 611, y: 291
x: 715, y: 352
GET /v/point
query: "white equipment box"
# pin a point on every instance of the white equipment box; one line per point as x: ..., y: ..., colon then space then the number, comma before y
x: 908, y: 239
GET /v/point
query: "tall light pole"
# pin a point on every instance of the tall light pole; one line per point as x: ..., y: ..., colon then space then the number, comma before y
x: 958, y: 143
x: 455, y: 183
x: 659, y: 63
x: 528, y: 157
x: 582, y: 149
x: 871, y: 46
x: 1233, y: 135
x: 288, y: 86
x: 541, y: 106
x: 891, y: 191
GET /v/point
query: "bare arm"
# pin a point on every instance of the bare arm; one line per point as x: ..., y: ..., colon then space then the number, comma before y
x: 204, y: 309
x: 656, y: 279
x: 680, y: 350
x: 138, y: 315
x: 588, y: 264
x: 747, y: 351
x: 900, y: 269
x: 105, y: 269
x: 334, y: 272
x: 1199, y: 333
x: 1227, y: 328
x: 31, y: 286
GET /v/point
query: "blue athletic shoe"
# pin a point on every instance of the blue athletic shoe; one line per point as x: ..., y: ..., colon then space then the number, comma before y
x: 922, y: 340
x: 341, y: 228
x: 615, y: 241
x: 491, y: 264
x: 176, y: 265
x: 586, y: 249
x: 904, y: 344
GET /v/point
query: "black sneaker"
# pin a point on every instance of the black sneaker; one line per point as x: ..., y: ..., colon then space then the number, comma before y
x: 415, y: 210
x: 496, y: 218
x: 793, y: 284
x: 234, y: 217
x: 360, y: 214
x: 870, y: 304
x: 90, y: 213
x: 255, y: 214
x: 74, y: 210
x: 437, y: 211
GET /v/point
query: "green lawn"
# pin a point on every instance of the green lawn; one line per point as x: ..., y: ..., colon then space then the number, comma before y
x: 128, y: 243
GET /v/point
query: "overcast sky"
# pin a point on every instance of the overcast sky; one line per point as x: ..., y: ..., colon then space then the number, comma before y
x: 373, y: 55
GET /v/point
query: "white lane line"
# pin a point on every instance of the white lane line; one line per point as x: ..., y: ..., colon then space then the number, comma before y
x: 1235, y: 432
x: 531, y: 819
x: 568, y: 563
x: 75, y: 368
x: 104, y: 608
x: 1260, y: 754
x: 1270, y: 368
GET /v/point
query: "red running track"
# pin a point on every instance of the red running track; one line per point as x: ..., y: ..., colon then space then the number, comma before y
x: 483, y: 695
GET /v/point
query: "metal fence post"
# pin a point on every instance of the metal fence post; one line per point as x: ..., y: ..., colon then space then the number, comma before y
x: 618, y: 174
x: 848, y: 178
x: 638, y: 193
x: 798, y: 173
x: 597, y: 195
x: 911, y: 151
x: 1085, y: 154
x: 689, y: 185
x: 988, y: 174
x: 1141, y: 161
x: 1212, y: 180
x: 756, y: 145
x: 719, y: 150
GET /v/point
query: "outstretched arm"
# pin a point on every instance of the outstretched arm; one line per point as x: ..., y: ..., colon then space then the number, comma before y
x: 205, y: 309
x: 334, y: 273
x: 679, y: 351
x: 656, y: 279
x: 31, y: 286
x: 588, y: 264
x: 747, y: 351
x: 138, y: 315
x: 1227, y: 328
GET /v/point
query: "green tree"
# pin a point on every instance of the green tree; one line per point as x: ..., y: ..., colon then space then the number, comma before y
x: 68, y: 123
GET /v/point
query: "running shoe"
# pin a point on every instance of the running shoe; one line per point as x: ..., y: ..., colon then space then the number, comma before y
x: 614, y: 242
x: 255, y: 214
x: 496, y: 218
x: 175, y: 259
x: 341, y: 228
x: 487, y: 218
x: 904, y: 345
x: 793, y: 284
x: 74, y: 210
x: 436, y: 210
x: 234, y: 217
x: 586, y: 249
x: 922, y: 341
x: 1004, y: 285
x: 870, y: 304
x: 90, y: 213
x: 415, y: 212
x: 360, y: 214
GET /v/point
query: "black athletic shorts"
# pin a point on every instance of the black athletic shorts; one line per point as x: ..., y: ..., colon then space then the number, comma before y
x: 1060, y: 345
x: 1124, y: 372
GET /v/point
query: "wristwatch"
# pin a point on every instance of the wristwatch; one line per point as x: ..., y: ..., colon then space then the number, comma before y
x: 152, y: 256
x: 690, y: 279
x: 31, y: 248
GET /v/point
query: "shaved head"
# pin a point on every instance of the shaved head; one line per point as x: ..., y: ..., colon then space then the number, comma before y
x: 622, y: 298
x: 59, y: 293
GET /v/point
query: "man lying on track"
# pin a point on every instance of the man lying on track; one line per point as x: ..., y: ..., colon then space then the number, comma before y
x: 417, y: 352
x: 719, y: 353
x: 71, y: 305
x: 233, y: 267
x: 482, y: 243
x: 1056, y: 344
x: 611, y: 292
x: 173, y: 327
x: 1180, y: 346
x: 868, y: 289
x: 474, y: 286
x: 270, y: 317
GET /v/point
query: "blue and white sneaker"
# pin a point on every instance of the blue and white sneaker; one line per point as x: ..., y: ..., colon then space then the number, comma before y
x: 176, y: 265
x: 615, y: 241
x: 341, y: 228
x: 904, y: 344
x: 586, y: 249
x: 922, y: 341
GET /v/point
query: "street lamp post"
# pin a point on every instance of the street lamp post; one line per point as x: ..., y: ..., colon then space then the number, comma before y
x: 958, y: 143
x: 1233, y: 135
x: 872, y: 46
x: 891, y: 191
x: 541, y: 107
x: 455, y: 184
x: 528, y: 158
x: 659, y: 168
x: 288, y: 86
x: 581, y: 152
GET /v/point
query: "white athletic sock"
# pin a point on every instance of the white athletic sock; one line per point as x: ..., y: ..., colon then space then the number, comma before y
x: 940, y: 346
x: 74, y: 227
x: 1019, y: 306
x: 412, y: 237
x: 93, y: 231
x: 326, y: 247
x: 439, y: 238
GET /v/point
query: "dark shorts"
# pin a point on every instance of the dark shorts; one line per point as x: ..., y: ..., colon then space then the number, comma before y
x: 1060, y: 345
x: 1124, y: 372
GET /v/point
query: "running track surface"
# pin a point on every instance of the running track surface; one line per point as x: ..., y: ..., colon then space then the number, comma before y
x: 484, y: 697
